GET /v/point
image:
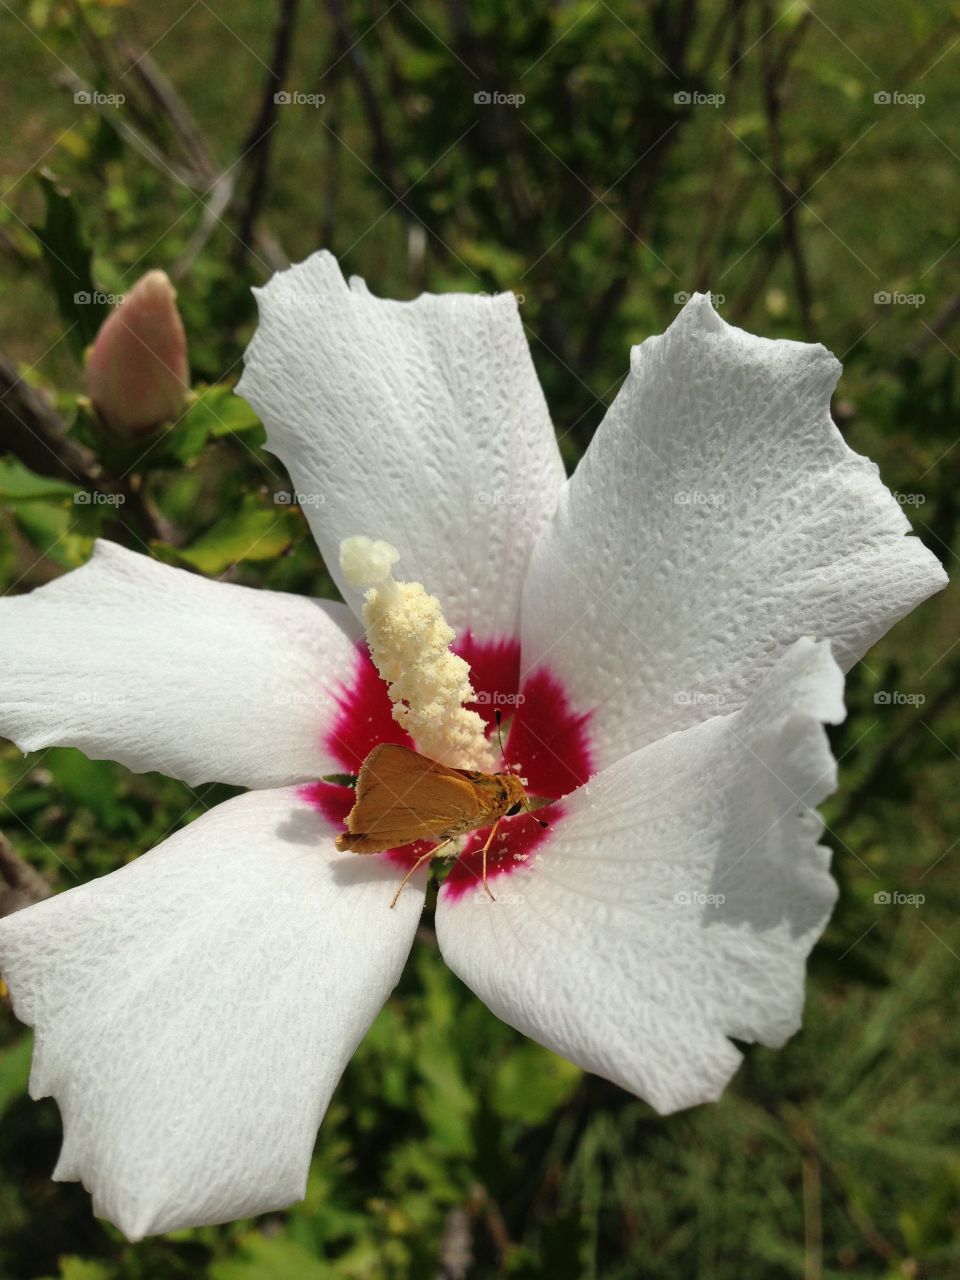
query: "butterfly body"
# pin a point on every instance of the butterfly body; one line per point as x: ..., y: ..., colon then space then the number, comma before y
x: 403, y: 796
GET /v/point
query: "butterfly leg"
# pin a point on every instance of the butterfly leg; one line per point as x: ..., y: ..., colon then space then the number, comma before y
x: 431, y: 853
x: 493, y: 832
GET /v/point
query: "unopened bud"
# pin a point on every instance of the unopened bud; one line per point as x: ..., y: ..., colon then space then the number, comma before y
x: 137, y: 372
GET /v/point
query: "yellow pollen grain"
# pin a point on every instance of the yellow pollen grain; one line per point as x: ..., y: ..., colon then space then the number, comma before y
x: 409, y: 640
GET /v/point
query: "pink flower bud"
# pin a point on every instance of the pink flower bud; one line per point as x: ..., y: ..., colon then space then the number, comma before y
x: 137, y: 371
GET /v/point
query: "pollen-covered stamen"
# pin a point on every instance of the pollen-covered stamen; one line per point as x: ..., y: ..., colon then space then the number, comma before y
x: 409, y: 642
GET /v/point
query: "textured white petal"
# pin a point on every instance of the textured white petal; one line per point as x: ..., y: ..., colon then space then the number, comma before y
x: 195, y: 1010
x: 675, y: 903
x: 421, y: 423
x: 717, y: 516
x: 158, y: 668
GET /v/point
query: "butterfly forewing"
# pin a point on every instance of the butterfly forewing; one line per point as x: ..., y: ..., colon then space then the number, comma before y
x: 403, y: 796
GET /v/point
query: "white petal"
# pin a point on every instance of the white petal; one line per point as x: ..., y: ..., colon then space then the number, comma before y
x: 421, y: 423
x: 158, y: 668
x: 195, y: 1010
x: 717, y: 516
x: 674, y: 904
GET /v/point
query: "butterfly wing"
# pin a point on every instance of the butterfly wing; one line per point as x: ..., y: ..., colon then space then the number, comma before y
x: 403, y: 796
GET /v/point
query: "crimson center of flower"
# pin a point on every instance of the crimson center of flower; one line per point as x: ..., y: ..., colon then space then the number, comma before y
x: 547, y: 743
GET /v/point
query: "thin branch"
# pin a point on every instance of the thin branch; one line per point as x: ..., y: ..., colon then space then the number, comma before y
x: 775, y: 63
x: 258, y: 147
x: 349, y: 48
x: 35, y: 433
x: 214, y: 210
x: 723, y: 197
x: 133, y: 137
x: 22, y: 885
x: 172, y: 109
x: 216, y: 190
x: 944, y: 320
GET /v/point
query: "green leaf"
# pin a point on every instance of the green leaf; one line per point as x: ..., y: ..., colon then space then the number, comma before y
x: 8, y: 555
x: 216, y: 413
x: 90, y: 784
x: 182, y: 442
x: 263, y: 1258
x: 531, y: 1083
x: 74, y: 1268
x: 68, y: 258
x: 17, y: 482
x: 14, y: 1071
x: 57, y: 532
x: 229, y: 413
x: 445, y: 1099
x: 254, y: 533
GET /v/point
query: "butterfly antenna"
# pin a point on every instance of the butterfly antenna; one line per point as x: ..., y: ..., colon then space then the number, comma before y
x: 498, y: 716
x: 526, y: 805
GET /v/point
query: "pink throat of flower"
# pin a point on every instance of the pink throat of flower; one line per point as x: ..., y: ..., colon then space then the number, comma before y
x: 548, y: 745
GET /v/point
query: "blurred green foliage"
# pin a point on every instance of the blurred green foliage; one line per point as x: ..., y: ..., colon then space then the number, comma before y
x: 454, y: 1147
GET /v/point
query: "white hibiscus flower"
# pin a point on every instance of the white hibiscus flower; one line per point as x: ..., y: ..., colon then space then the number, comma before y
x: 668, y: 629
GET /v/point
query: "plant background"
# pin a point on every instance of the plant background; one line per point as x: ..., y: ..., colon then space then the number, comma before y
x: 455, y: 1148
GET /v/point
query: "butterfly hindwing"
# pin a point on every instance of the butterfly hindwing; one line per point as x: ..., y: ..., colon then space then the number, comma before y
x: 403, y: 796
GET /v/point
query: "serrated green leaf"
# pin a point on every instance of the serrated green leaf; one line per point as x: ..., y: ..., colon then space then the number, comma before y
x: 230, y: 413
x: 68, y: 259
x: 182, y: 442
x: 19, y: 482
x: 58, y: 532
x: 253, y: 533
x: 216, y: 413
